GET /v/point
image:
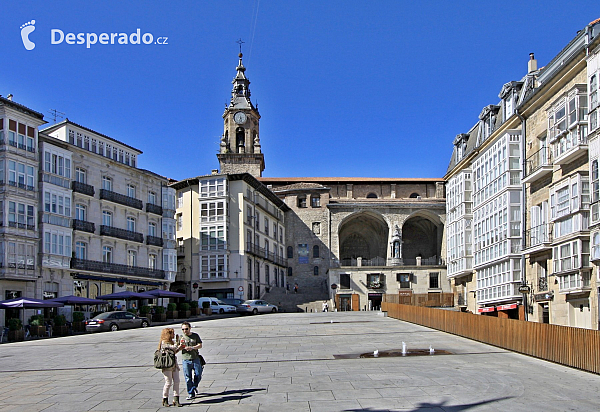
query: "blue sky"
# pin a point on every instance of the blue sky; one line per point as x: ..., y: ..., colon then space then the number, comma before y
x: 344, y: 88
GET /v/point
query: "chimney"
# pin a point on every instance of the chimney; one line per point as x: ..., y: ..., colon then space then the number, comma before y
x: 531, y: 64
x: 9, y: 97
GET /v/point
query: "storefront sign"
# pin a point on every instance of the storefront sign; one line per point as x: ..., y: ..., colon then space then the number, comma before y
x: 406, y: 293
x: 524, y: 289
x: 483, y: 310
x: 506, y: 307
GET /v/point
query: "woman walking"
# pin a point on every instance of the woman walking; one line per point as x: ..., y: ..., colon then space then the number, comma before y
x: 168, y: 341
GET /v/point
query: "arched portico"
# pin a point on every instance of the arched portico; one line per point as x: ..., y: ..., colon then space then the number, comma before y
x: 421, y: 237
x: 364, y: 235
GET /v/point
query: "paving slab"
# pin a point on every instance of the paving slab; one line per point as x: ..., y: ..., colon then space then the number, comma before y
x: 288, y: 362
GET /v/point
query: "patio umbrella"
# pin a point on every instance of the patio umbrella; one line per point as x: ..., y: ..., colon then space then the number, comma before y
x: 126, y: 295
x: 158, y: 293
x: 28, y: 303
x: 78, y: 300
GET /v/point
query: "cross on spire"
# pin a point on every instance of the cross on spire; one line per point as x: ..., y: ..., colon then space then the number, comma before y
x: 240, y: 42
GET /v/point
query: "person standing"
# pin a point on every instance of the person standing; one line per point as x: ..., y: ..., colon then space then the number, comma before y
x: 192, y: 368
x: 171, y: 374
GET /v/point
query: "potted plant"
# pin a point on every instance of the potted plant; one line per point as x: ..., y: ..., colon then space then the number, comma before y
x: 36, y: 325
x: 194, y: 308
x: 184, y: 309
x: 78, y: 324
x: 172, y: 311
x: 159, y: 314
x: 132, y: 310
x: 60, y: 326
x: 206, y: 308
x: 145, y: 312
x: 15, y: 330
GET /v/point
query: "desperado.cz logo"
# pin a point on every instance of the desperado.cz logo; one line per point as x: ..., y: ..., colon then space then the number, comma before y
x: 57, y: 36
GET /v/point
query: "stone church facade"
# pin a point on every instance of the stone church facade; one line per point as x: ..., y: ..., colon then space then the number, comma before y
x: 347, y: 240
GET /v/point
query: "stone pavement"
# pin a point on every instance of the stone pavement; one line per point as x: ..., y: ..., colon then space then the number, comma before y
x: 285, y: 362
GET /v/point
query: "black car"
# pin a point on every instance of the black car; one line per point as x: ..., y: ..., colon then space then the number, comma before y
x: 233, y: 302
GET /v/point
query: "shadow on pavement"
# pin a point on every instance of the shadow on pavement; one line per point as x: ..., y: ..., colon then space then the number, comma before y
x: 441, y: 406
x: 225, y: 396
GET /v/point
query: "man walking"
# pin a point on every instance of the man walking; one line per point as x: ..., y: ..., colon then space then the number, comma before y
x: 192, y: 369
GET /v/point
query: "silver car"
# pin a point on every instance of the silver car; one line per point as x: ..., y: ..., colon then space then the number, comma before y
x: 256, y: 306
x: 112, y: 321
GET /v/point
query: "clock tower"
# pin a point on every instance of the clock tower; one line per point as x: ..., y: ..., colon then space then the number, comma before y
x: 239, y: 150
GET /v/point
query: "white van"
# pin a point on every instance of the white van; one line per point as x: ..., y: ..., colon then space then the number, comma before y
x: 216, y: 305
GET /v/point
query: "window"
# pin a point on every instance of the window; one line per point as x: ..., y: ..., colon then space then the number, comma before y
x: 257, y: 220
x: 249, y: 267
x: 315, y: 251
x: 212, y: 238
x: 375, y: 280
x: 212, y: 187
x: 152, y: 261
x: 344, y: 281
x: 179, y: 199
x: 107, y: 183
x: 414, y: 195
x: 434, y: 281
x: 290, y: 252
x: 106, y: 218
x: 267, y: 274
x: 107, y: 254
x: 131, y: 191
x: 57, y: 203
x: 315, y: 201
x: 80, y: 212
x: 131, y: 258
x: 81, y: 250
x: 289, y: 271
x: 152, y: 198
x: 266, y: 226
x: 212, y: 211
x: 131, y: 224
x: 404, y: 280
x: 212, y: 267
x: 168, y: 230
x: 316, y: 271
x: 595, y: 182
x: 179, y: 221
x: 316, y: 228
x: 372, y: 196
x: 302, y: 201
x: 152, y: 229
x: 80, y: 175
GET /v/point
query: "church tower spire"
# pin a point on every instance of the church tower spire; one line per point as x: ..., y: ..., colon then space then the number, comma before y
x: 240, y: 143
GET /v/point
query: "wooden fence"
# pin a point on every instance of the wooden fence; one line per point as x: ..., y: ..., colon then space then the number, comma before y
x: 566, y: 345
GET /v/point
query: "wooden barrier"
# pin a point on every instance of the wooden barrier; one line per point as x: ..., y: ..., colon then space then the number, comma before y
x: 565, y: 345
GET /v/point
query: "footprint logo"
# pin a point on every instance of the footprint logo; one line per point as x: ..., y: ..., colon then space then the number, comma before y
x: 26, y: 30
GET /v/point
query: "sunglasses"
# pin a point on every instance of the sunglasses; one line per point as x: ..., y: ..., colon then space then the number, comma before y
x: 185, y: 328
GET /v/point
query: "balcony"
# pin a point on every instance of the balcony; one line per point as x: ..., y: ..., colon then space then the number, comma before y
x: 121, y: 234
x: 56, y: 180
x: 56, y: 220
x: 83, y: 188
x: 262, y: 253
x: 538, y: 238
x: 116, y: 269
x: 154, y: 241
x: 569, y: 146
x: 538, y: 165
x: 84, y: 226
x: 180, y: 251
x: 121, y: 199
x: 151, y: 208
x: 542, y: 284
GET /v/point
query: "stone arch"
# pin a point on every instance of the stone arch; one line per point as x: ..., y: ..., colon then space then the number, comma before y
x: 421, y: 236
x: 363, y: 234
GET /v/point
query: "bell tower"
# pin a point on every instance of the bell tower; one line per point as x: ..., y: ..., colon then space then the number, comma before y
x: 239, y: 150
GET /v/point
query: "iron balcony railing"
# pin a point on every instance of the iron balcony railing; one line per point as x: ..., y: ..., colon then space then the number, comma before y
x: 84, y: 226
x: 180, y: 251
x: 539, y: 159
x: 538, y: 235
x: 262, y: 252
x: 83, y: 188
x: 154, y: 241
x: 152, y: 208
x: 543, y: 283
x: 121, y: 199
x: 116, y: 269
x: 121, y: 233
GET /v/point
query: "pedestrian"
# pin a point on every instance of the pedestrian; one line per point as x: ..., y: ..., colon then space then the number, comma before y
x: 118, y: 306
x: 295, y: 288
x: 192, y: 369
x: 171, y: 374
x: 325, y: 306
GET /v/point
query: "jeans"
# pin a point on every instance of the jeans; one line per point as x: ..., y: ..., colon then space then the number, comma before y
x: 188, y: 367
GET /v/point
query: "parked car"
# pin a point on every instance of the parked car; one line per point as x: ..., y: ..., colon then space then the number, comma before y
x: 216, y: 305
x: 233, y: 302
x: 112, y: 321
x: 256, y: 306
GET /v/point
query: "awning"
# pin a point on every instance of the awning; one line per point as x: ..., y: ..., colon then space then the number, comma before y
x: 507, y: 307
x: 113, y: 279
x: 488, y: 309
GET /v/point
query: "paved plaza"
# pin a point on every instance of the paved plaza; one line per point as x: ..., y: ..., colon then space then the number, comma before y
x: 285, y: 362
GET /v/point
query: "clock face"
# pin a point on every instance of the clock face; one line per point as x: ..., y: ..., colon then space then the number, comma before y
x: 239, y: 118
